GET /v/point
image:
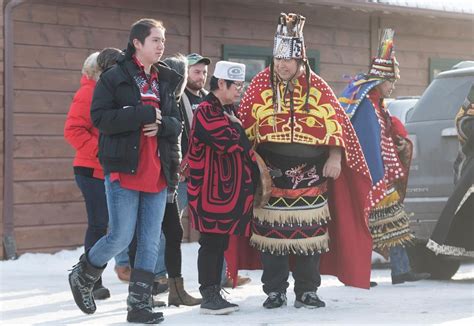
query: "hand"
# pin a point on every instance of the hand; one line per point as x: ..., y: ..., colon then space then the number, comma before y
x: 151, y: 129
x: 332, y: 167
x: 233, y: 118
x: 401, y: 143
x: 158, y: 116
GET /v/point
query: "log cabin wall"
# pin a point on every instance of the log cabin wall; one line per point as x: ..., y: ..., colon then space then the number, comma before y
x: 52, y: 39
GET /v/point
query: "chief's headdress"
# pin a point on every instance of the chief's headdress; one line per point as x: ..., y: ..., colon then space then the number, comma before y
x: 385, y: 65
x: 289, y: 41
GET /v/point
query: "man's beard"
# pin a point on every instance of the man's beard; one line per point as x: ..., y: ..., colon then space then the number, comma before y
x: 195, y: 86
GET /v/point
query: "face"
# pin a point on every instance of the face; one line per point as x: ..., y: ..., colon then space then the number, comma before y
x: 197, y: 75
x: 285, y: 68
x: 152, y: 49
x: 232, y: 93
x: 386, y: 88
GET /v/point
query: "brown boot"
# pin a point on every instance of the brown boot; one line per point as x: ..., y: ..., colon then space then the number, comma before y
x: 123, y: 273
x: 178, y: 296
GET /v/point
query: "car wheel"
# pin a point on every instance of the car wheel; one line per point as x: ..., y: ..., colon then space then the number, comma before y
x: 424, y: 260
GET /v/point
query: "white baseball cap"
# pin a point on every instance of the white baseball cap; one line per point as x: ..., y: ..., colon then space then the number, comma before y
x: 230, y: 70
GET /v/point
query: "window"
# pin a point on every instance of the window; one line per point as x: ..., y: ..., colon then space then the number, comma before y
x: 438, y: 65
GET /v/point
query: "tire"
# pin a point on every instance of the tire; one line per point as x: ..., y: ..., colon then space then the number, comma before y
x: 424, y: 260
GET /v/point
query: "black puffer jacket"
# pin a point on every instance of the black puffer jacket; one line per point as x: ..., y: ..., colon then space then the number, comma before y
x: 118, y: 113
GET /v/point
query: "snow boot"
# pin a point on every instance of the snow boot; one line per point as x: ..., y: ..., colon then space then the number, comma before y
x: 409, y: 277
x: 160, y: 285
x: 140, y: 300
x: 309, y: 300
x: 214, y: 304
x: 99, y: 291
x: 82, y: 278
x: 275, y: 300
x: 178, y: 295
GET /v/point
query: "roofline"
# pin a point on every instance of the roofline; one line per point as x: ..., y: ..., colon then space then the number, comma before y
x: 364, y: 5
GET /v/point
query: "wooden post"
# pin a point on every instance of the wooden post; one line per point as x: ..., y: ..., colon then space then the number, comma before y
x: 195, y: 26
x: 374, y: 35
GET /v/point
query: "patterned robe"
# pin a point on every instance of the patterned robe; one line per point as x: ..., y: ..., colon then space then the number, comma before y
x: 221, y: 172
x: 388, y: 221
x: 453, y: 233
x: 307, y: 213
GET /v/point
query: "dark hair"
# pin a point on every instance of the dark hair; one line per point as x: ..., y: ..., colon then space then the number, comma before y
x: 108, y: 57
x: 213, y: 85
x: 179, y: 63
x: 142, y: 28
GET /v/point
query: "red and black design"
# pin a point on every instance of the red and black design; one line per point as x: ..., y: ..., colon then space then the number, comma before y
x: 222, y: 172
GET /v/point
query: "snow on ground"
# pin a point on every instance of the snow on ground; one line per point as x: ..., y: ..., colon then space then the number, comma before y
x: 34, y: 290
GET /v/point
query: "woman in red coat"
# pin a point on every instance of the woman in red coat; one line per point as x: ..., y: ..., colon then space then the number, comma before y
x: 83, y: 137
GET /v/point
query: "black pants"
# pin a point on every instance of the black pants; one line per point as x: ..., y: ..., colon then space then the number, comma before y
x: 173, y: 231
x: 93, y: 191
x: 211, y: 258
x: 276, y: 270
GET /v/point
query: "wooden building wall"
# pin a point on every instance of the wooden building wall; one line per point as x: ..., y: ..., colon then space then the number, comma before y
x: 52, y: 38
x: 2, y: 112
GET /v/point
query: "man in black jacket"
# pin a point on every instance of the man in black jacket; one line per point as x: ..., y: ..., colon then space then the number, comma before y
x: 134, y: 108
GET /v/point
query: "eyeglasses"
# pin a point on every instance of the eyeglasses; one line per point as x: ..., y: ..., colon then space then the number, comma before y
x: 238, y: 85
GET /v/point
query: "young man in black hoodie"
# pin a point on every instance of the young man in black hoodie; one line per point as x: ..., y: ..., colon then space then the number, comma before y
x: 134, y: 108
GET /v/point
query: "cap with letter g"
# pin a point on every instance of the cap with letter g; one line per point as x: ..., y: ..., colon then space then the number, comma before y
x: 230, y: 71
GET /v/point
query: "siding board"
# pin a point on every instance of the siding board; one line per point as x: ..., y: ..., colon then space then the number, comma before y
x: 37, y: 169
x: 42, y: 147
x: 32, y: 237
x: 39, y: 124
x: 32, y: 192
x: 50, y: 214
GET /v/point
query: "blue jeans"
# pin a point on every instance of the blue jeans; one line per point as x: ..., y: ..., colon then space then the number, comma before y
x: 182, y: 196
x: 130, y: 209
x: 399, y: 262
x: 160, y: 268
x: 121, y: 259
x: 93, y: 191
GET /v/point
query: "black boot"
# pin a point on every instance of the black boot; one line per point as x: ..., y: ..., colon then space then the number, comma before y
x: 309, y: 300
x: 82, y: 278
x: 214, y: 304
x: 99, y: 291
x: 275, y: 300
x: 409, y: 277
x: 160, y: 285
x: 139, y: 301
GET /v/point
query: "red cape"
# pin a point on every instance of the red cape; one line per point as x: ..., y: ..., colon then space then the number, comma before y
x: 350, y: 246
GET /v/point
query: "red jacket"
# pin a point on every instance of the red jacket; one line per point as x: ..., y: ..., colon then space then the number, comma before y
x: 79, y: 130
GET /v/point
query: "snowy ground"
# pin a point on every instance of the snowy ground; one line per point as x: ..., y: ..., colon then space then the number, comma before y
x: 34, y: 290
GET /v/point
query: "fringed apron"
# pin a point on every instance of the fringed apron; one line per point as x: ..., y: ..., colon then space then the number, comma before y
x: 295, y: 219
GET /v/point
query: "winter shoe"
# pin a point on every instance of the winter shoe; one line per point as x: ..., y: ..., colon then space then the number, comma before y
x: 409, y: 277
x: 123, y: 273
x: 99, y: 291
x: 140, y: 300
x: 157, y: 303
x: 179, y: 296
x: 214, y: 304
x: 373, y: 284
x: 309, y: 300
x: 82, y: 278
x: 240, y: 281
x: 275, y: 300
x: 160, y: 285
